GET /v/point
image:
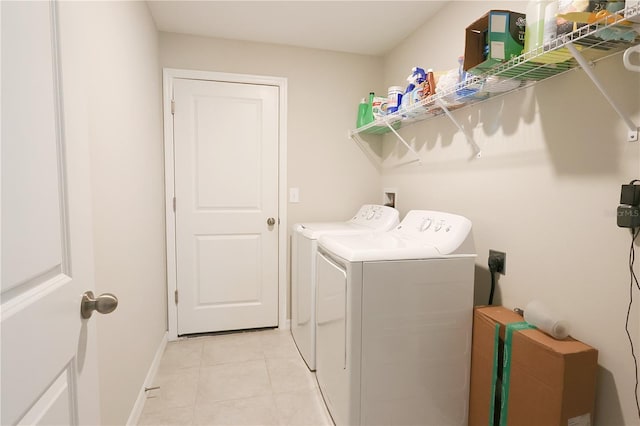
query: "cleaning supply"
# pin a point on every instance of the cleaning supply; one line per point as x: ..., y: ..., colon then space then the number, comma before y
x: 540, y: 13
x: 379, y: 107
x: 423, y: 90
x: 394, y: 99
x: 470, y: 87
x: 629, y: 5
x: 414, y: 98
x: 431, y: 84
x: 364, y: 113
x: 550, y: 28
x: 417, y: 77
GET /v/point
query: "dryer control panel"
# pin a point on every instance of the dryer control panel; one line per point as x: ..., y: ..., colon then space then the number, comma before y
x: 375, y: 216
x: 445, y: 231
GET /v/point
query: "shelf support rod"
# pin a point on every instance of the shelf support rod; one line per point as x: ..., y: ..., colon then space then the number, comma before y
x: 401, y: 139
x: 476, y: 148
x: 361, y: 144
x: 633, y: 129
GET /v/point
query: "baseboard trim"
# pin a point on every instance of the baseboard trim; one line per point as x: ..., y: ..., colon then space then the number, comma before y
x: 286, y: 325
x: 134, y: 417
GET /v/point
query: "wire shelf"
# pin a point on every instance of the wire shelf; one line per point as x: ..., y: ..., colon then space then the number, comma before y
x: 592, y: 41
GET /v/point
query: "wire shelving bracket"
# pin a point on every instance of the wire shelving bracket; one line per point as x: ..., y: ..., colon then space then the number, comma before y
x: 467, y: 134
x: 580, y: 48
x: 633, y: 129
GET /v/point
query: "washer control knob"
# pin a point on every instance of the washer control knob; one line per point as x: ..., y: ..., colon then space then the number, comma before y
x: 426, y: 224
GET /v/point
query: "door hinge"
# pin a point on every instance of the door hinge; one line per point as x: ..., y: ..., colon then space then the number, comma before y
x: 174, y: 204
x: 176, y: 296
x: 173, y: 106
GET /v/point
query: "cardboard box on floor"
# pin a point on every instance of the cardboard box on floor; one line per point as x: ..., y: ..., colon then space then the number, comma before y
x: 546, y: 381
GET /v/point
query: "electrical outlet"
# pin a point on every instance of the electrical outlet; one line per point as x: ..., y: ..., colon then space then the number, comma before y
x: 498, y: 261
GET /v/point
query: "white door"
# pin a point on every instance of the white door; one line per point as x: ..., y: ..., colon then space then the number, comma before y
x: 226, y: 189
x: 48, y: 363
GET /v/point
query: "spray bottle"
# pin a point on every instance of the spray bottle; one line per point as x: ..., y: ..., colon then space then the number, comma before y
x: 417, y: 76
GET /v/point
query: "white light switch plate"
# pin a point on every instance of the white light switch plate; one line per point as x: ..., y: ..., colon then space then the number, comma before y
x: 294, y: 195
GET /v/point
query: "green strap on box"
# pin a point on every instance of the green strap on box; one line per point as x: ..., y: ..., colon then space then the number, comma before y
x: 506, y: 368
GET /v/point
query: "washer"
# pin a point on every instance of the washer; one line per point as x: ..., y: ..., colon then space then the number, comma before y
x: 394, y: 321
x: 370, y: 218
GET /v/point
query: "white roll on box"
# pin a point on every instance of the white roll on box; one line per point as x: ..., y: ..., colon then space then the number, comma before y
x: 535, y: 313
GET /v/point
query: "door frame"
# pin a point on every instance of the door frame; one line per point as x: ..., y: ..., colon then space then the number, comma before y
x: 169, y: 75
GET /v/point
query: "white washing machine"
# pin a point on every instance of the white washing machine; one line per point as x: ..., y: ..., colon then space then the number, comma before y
x: 394, y: 321
x: 370, y: 218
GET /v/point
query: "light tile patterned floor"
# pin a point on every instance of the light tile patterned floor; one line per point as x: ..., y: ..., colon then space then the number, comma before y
x: 250, y: 378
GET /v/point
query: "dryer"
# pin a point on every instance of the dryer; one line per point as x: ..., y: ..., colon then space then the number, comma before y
x: 369, y: 218
x: 394, y: 322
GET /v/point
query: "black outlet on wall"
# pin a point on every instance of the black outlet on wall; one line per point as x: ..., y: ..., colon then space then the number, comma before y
x: 498, y: 261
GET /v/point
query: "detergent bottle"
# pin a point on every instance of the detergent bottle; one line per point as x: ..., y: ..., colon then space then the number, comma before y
x: 365, y: 113
x: 362, y: 113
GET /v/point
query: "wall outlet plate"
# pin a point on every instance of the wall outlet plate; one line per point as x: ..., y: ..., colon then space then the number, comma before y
x: 498, y: 258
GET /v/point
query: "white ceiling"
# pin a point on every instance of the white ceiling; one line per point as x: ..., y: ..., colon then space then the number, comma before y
x: 364, y: 27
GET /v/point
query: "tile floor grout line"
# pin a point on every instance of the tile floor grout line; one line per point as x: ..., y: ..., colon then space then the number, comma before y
x: 274, y: 345
x: 273, y: 398
x: 195, y: 402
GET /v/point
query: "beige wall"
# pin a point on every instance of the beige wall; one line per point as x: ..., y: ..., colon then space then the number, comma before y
x: 545, y: 192
x: 122, y: 89
x: 324, y: 89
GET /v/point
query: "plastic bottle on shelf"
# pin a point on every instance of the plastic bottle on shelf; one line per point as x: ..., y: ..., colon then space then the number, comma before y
x: 550, y: 30
x: 395, y: 98
x: 364, y: 110
x: 540, y: 14
x: 379, y: 107
x: 417, y: 77
x: 431, y: 83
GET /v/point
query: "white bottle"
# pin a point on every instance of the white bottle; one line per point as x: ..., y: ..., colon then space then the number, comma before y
x: 550, y: 22
x: 537, y: 13
x: 628, y: 5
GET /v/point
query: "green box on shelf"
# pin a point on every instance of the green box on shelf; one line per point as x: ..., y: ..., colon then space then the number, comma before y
x: 502, y: 31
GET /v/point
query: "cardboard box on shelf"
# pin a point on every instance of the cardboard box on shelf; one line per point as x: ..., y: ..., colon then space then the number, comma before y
x: 496, y: 37
x: 522, y: 376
